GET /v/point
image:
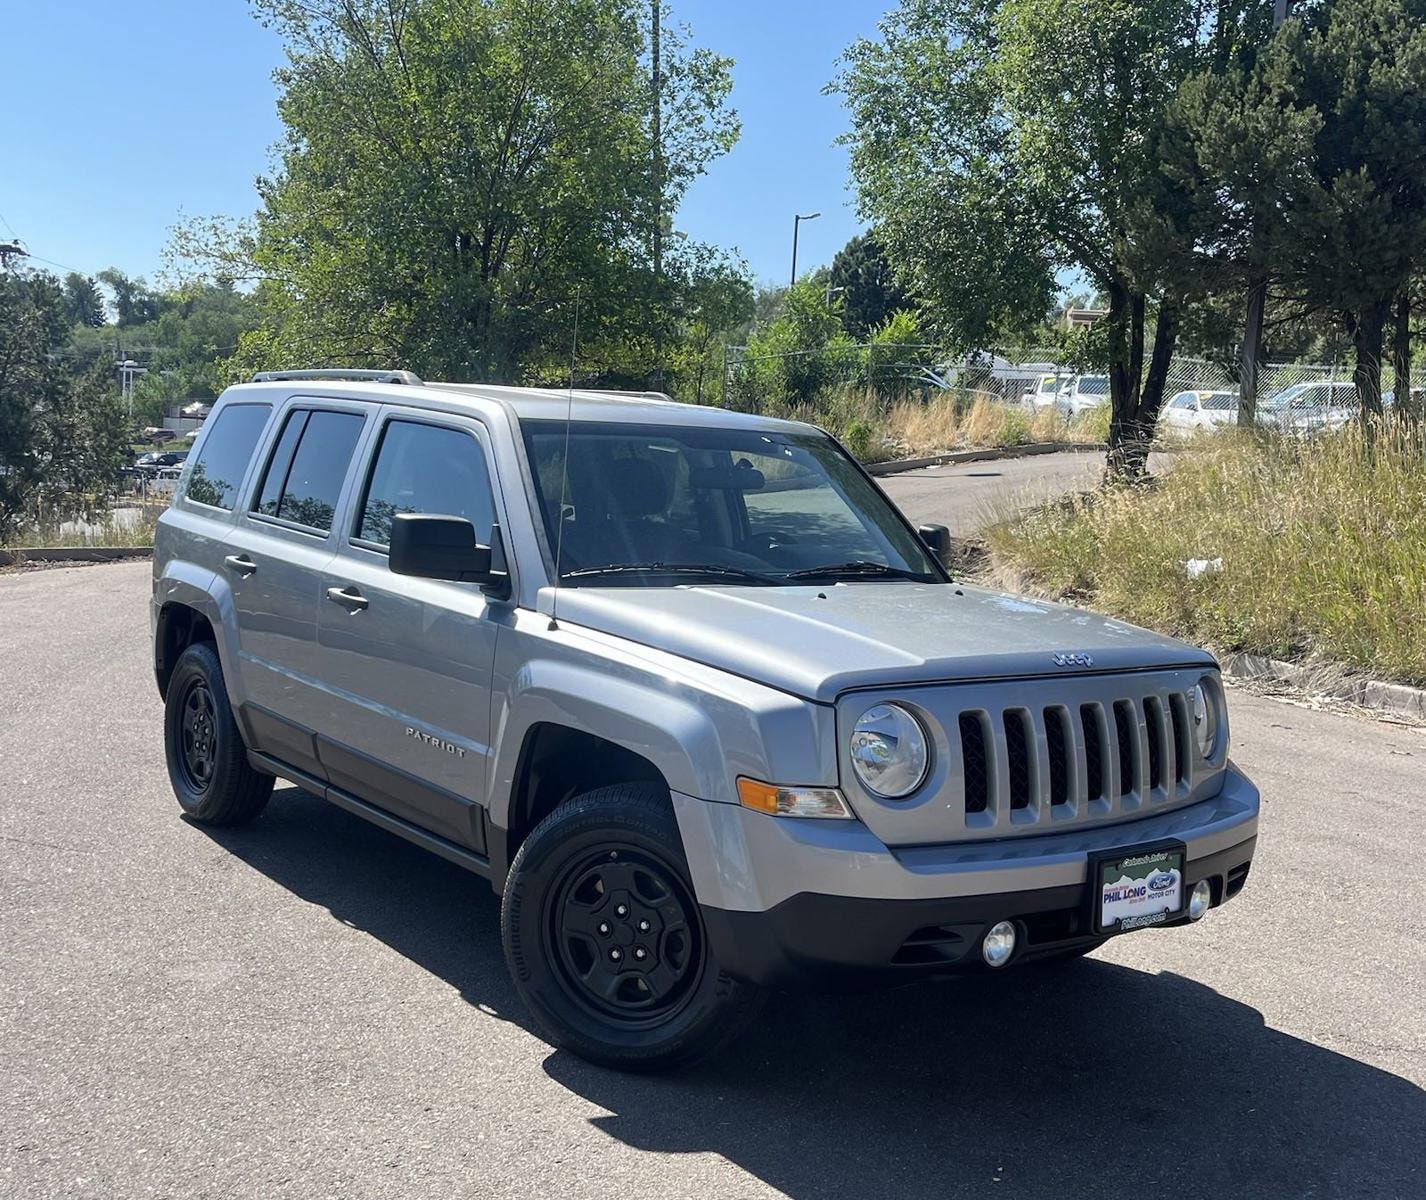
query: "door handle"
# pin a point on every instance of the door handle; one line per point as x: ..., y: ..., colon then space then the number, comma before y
x: 240, y: 563
x: 348, y: 597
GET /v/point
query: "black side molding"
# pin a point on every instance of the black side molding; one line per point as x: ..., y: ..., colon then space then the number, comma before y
x: 469, y: 859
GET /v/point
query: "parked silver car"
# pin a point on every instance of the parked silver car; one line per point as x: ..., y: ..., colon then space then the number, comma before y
x: 1309, y: 408
x: 685, y: 687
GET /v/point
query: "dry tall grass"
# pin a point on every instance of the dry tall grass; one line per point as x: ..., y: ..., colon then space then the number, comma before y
x: 951, y: 422
x: 1323, y: 548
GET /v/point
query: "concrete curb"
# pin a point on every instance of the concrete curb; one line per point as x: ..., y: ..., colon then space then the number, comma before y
x: 1398, y: 699
x: 73, y: 554
x: 896, y: 466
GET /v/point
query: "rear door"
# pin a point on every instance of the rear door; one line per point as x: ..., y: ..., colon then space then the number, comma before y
x: 274, y: 560
x: 409, y: 661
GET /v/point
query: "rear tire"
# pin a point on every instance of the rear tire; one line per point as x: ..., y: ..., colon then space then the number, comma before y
x: 207, y: 761
x: 605, y: 940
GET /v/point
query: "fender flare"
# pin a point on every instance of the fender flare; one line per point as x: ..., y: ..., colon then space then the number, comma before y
x: 191, y: 586
x: 677, y: 737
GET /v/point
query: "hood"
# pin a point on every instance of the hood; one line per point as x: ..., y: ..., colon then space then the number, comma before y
x: 817, y: 641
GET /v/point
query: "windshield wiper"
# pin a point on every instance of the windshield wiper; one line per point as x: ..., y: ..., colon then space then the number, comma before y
x: 707, y: 570
x: 859, y: 569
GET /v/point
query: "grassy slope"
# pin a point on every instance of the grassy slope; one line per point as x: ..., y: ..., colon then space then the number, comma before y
x: 1323, y: 546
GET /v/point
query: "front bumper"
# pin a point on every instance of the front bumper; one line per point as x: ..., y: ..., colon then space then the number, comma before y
x: 785, y: 901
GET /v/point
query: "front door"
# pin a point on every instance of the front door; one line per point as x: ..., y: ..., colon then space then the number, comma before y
x: 409, y: 661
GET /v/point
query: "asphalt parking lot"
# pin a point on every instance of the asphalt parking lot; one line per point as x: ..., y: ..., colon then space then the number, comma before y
x: 311, y: 1007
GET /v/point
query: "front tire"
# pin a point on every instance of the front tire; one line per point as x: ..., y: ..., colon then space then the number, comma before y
x: 207, y: 761
x: 605, y: 940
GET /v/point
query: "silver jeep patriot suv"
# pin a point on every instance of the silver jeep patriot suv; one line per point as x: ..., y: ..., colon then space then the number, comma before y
x: 684, y: 686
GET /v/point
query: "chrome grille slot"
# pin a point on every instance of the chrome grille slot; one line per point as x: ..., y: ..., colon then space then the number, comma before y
x: 975, y: 761
x: 1126, y: 735
x: 1017, y: 752
x: 1158, y: 739
x: 1059, y: 747
x: 1091, y: 719
x: 1178, y: 711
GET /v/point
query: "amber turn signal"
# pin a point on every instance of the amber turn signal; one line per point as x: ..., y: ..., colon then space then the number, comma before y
x: 792, y: 801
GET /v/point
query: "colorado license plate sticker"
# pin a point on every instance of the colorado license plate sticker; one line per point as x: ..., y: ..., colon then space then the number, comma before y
x: 1140, y: 889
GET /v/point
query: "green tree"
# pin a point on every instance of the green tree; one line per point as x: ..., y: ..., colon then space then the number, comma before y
x: 790, y: 360
x: 134, y: 304
x: 82, y: 300
x: 997, y: 144
x: 869, y: 291
x: 1308, y: 158
x: 458, y: 175
x: 62, y: 437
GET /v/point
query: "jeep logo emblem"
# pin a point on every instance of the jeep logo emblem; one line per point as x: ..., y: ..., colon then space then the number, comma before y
x: 1073, y: 660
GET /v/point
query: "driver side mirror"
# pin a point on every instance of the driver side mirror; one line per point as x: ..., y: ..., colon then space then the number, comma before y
x: 937, y: 539
x: 431, y: 546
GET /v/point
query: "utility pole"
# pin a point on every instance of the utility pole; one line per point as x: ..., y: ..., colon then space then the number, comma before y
x: 9, y: 250
x: 655, y: 47
x: 1252, y: 348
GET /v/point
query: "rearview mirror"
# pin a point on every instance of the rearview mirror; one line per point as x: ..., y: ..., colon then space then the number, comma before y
x: 430, y: 546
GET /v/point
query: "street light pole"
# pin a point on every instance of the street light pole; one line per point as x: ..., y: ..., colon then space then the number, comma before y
x: 796, y: 221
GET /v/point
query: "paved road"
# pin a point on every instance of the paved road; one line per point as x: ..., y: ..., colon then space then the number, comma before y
x: 966, y: 497
x: 313, y: 1008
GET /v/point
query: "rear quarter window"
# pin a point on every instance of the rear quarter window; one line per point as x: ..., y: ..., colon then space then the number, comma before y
x: 228, y: 447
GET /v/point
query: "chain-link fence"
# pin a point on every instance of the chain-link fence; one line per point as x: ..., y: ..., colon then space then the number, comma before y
x: 888, y: 374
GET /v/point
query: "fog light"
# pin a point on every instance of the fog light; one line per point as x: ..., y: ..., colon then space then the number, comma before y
x: 998, y: 944
x: 1200, y: 899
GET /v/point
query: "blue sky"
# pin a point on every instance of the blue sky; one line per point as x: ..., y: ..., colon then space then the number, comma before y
x: 117, y: 117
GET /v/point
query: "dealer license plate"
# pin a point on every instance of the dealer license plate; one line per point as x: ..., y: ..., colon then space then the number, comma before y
x: 1138, y: 888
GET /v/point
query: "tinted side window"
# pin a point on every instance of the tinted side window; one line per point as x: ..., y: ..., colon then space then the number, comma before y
x: 426, y: 469
x: 303, y: 484
x: 218, y: 471
x: 275, y: 478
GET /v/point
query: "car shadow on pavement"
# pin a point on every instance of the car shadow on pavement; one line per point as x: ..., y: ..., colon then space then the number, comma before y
x: 438, y: 915
x: 1078, y: 1080
x: 1083, y: 1079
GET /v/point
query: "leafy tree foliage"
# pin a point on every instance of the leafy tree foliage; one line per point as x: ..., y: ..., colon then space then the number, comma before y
x: 998, y: 144
x: 134, y: 304
x: 456, y: 174
x: 790, y: 360
x: 82, y: 301
x: 1308, y: 158
x: 62, y: 437
x: 869, y: 291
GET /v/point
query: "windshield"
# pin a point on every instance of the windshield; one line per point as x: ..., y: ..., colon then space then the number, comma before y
x: 1093, y: 385
x: 660, y: 504
x: 1220, y: 401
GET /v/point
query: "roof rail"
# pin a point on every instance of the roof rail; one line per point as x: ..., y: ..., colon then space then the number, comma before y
x: 338, y: 373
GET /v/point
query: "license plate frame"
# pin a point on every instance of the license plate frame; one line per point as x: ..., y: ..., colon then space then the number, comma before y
x: 1144, y: 861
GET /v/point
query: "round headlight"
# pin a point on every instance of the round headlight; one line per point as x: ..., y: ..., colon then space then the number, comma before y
x: 1205, y: 719
x: 889, y: 751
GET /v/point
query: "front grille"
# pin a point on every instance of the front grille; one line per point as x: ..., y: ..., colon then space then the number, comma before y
x: 1071, y: 762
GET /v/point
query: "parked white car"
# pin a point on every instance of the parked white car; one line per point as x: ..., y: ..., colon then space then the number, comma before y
x: 1197, y: 411
x: 1045, y: 391
x: 1082, y: 393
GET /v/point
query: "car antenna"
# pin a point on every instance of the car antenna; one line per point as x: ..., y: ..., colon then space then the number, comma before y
x: 564, y: 469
